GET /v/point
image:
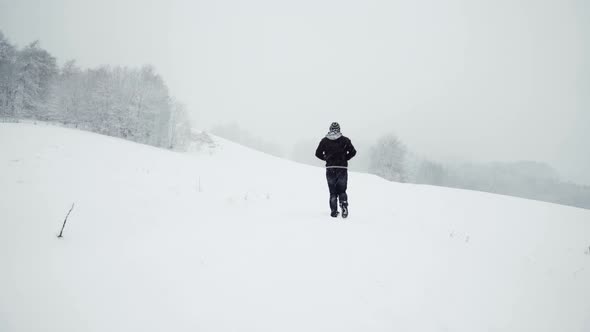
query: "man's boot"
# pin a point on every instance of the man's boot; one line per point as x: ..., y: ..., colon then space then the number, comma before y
x: 344, y: 206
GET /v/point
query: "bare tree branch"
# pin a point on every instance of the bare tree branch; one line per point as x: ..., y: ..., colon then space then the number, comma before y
x: 66, y: 219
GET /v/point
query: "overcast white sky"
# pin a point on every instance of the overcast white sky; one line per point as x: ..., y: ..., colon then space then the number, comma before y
x: 496, y: 80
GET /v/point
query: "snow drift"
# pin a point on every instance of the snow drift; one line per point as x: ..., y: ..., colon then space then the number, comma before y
x: 236, y: 240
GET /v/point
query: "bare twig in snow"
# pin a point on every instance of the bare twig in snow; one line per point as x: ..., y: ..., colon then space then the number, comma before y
x: 66, y: 219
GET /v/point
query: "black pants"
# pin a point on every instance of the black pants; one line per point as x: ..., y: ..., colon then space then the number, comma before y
x: 337, y: 182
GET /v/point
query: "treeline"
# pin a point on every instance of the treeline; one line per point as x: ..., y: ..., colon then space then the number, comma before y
x: 130, y: 103
x: 391, y: 159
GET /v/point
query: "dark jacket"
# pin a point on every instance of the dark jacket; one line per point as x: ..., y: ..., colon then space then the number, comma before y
x: 335, y: 152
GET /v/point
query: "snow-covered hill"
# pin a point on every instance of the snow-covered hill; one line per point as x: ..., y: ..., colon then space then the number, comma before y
x: 236, y: 240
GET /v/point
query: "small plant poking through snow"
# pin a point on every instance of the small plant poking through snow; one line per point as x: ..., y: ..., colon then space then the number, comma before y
x: 65, y: 220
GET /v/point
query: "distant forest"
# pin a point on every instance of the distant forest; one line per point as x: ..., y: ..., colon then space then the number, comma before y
x: 131, y: 103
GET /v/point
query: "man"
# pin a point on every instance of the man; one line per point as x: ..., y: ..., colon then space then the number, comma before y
x: 336, y: 150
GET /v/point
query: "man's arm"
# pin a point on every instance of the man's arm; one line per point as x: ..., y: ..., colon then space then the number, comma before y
x: 319, y: 152
x: 350, y: 151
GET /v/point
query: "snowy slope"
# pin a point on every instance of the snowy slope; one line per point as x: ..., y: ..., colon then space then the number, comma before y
x: 241, y: 241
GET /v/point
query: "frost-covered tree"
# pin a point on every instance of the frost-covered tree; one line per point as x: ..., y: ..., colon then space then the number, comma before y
x: 154, y: 104
x: 67, y: 95
x: 8, y: 72
x: 36, y: 69
x: 387, y: 159
x: 180, y: 129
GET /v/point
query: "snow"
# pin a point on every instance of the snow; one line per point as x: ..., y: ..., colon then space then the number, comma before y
x: 237, y: 240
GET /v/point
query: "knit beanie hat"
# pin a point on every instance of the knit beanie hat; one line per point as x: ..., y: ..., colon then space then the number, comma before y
x: 335, y: 127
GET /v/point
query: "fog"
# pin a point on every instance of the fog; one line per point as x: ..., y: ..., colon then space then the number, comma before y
x: 456, y: 80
